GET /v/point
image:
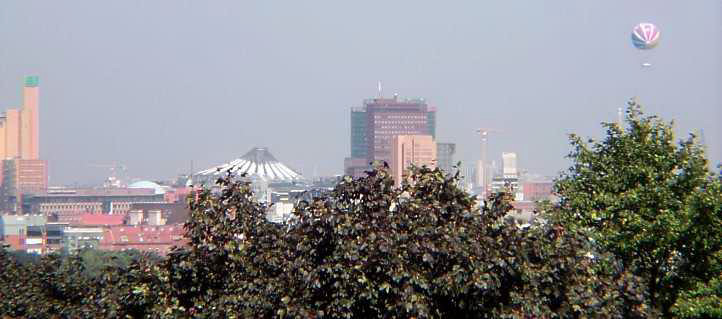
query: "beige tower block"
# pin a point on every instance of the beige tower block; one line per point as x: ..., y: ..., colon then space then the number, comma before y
x: 3, y: 125
x: 407, y: 150
x: 29, y: 133
x: 12, y: 133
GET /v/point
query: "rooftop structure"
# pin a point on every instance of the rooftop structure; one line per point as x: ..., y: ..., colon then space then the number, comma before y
x: 101, y: 219
x: 148, y: 184
x: 258, y: 162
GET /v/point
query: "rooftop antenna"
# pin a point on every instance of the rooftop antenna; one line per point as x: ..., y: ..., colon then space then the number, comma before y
x: 380, y: 95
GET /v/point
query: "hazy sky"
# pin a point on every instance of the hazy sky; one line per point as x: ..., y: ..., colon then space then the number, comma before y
x: 156, y: 84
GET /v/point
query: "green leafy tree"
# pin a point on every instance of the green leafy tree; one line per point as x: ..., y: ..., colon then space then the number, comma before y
x: 704, y: 300
x: 650, y: 201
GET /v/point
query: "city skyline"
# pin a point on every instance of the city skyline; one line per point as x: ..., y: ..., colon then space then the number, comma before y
x: 290, y: 74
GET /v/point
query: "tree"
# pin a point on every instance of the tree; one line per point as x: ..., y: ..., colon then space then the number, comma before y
x: 704, y: 300
x: 90, y: 284
x: 367, y: 249
x: 426, y: 250
x: 650, y: 202
x: 52, y: 287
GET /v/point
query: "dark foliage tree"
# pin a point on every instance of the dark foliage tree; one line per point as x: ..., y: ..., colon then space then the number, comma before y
x: 368, y: 249
x: 90, y: 284
x: 52, y: 287
x: 650, y: 202
x: 372, y: 250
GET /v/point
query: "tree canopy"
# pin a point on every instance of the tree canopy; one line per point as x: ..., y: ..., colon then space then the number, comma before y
x: 367, y: 249
x: 649, y: 200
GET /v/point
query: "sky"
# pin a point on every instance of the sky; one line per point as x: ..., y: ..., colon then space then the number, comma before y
x: 156, y: 85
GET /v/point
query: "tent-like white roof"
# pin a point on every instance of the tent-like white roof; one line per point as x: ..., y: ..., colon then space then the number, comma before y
x: 258, y: 162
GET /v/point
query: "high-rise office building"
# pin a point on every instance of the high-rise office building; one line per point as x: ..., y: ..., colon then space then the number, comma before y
x: 445, y: 157
x: 387, y: 118
x: 359, y: 147
x: 407, y: 150
x: 380, y: 119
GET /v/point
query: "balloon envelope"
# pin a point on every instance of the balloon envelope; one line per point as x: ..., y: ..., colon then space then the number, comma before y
x: 645, y: 36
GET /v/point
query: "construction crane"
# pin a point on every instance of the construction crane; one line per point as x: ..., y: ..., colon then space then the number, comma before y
x: 481, y: 170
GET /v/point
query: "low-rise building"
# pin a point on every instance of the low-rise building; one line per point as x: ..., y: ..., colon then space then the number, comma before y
x: 54, y: 237
x: 538, y: 190
x: 14, y: 231
x: 77, y: 238
x: 356, y: 167
x: 507, y: 184
x: 148, y: 238
x: 68, y: 204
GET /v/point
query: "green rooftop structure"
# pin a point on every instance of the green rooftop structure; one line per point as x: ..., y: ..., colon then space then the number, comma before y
x: 31, y: 81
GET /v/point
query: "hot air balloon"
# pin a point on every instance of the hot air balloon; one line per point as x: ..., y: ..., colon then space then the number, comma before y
x: 645, y: 36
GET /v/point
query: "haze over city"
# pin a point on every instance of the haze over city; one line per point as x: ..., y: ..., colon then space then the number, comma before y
x: 155, y: 85
x: 297, y: 159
